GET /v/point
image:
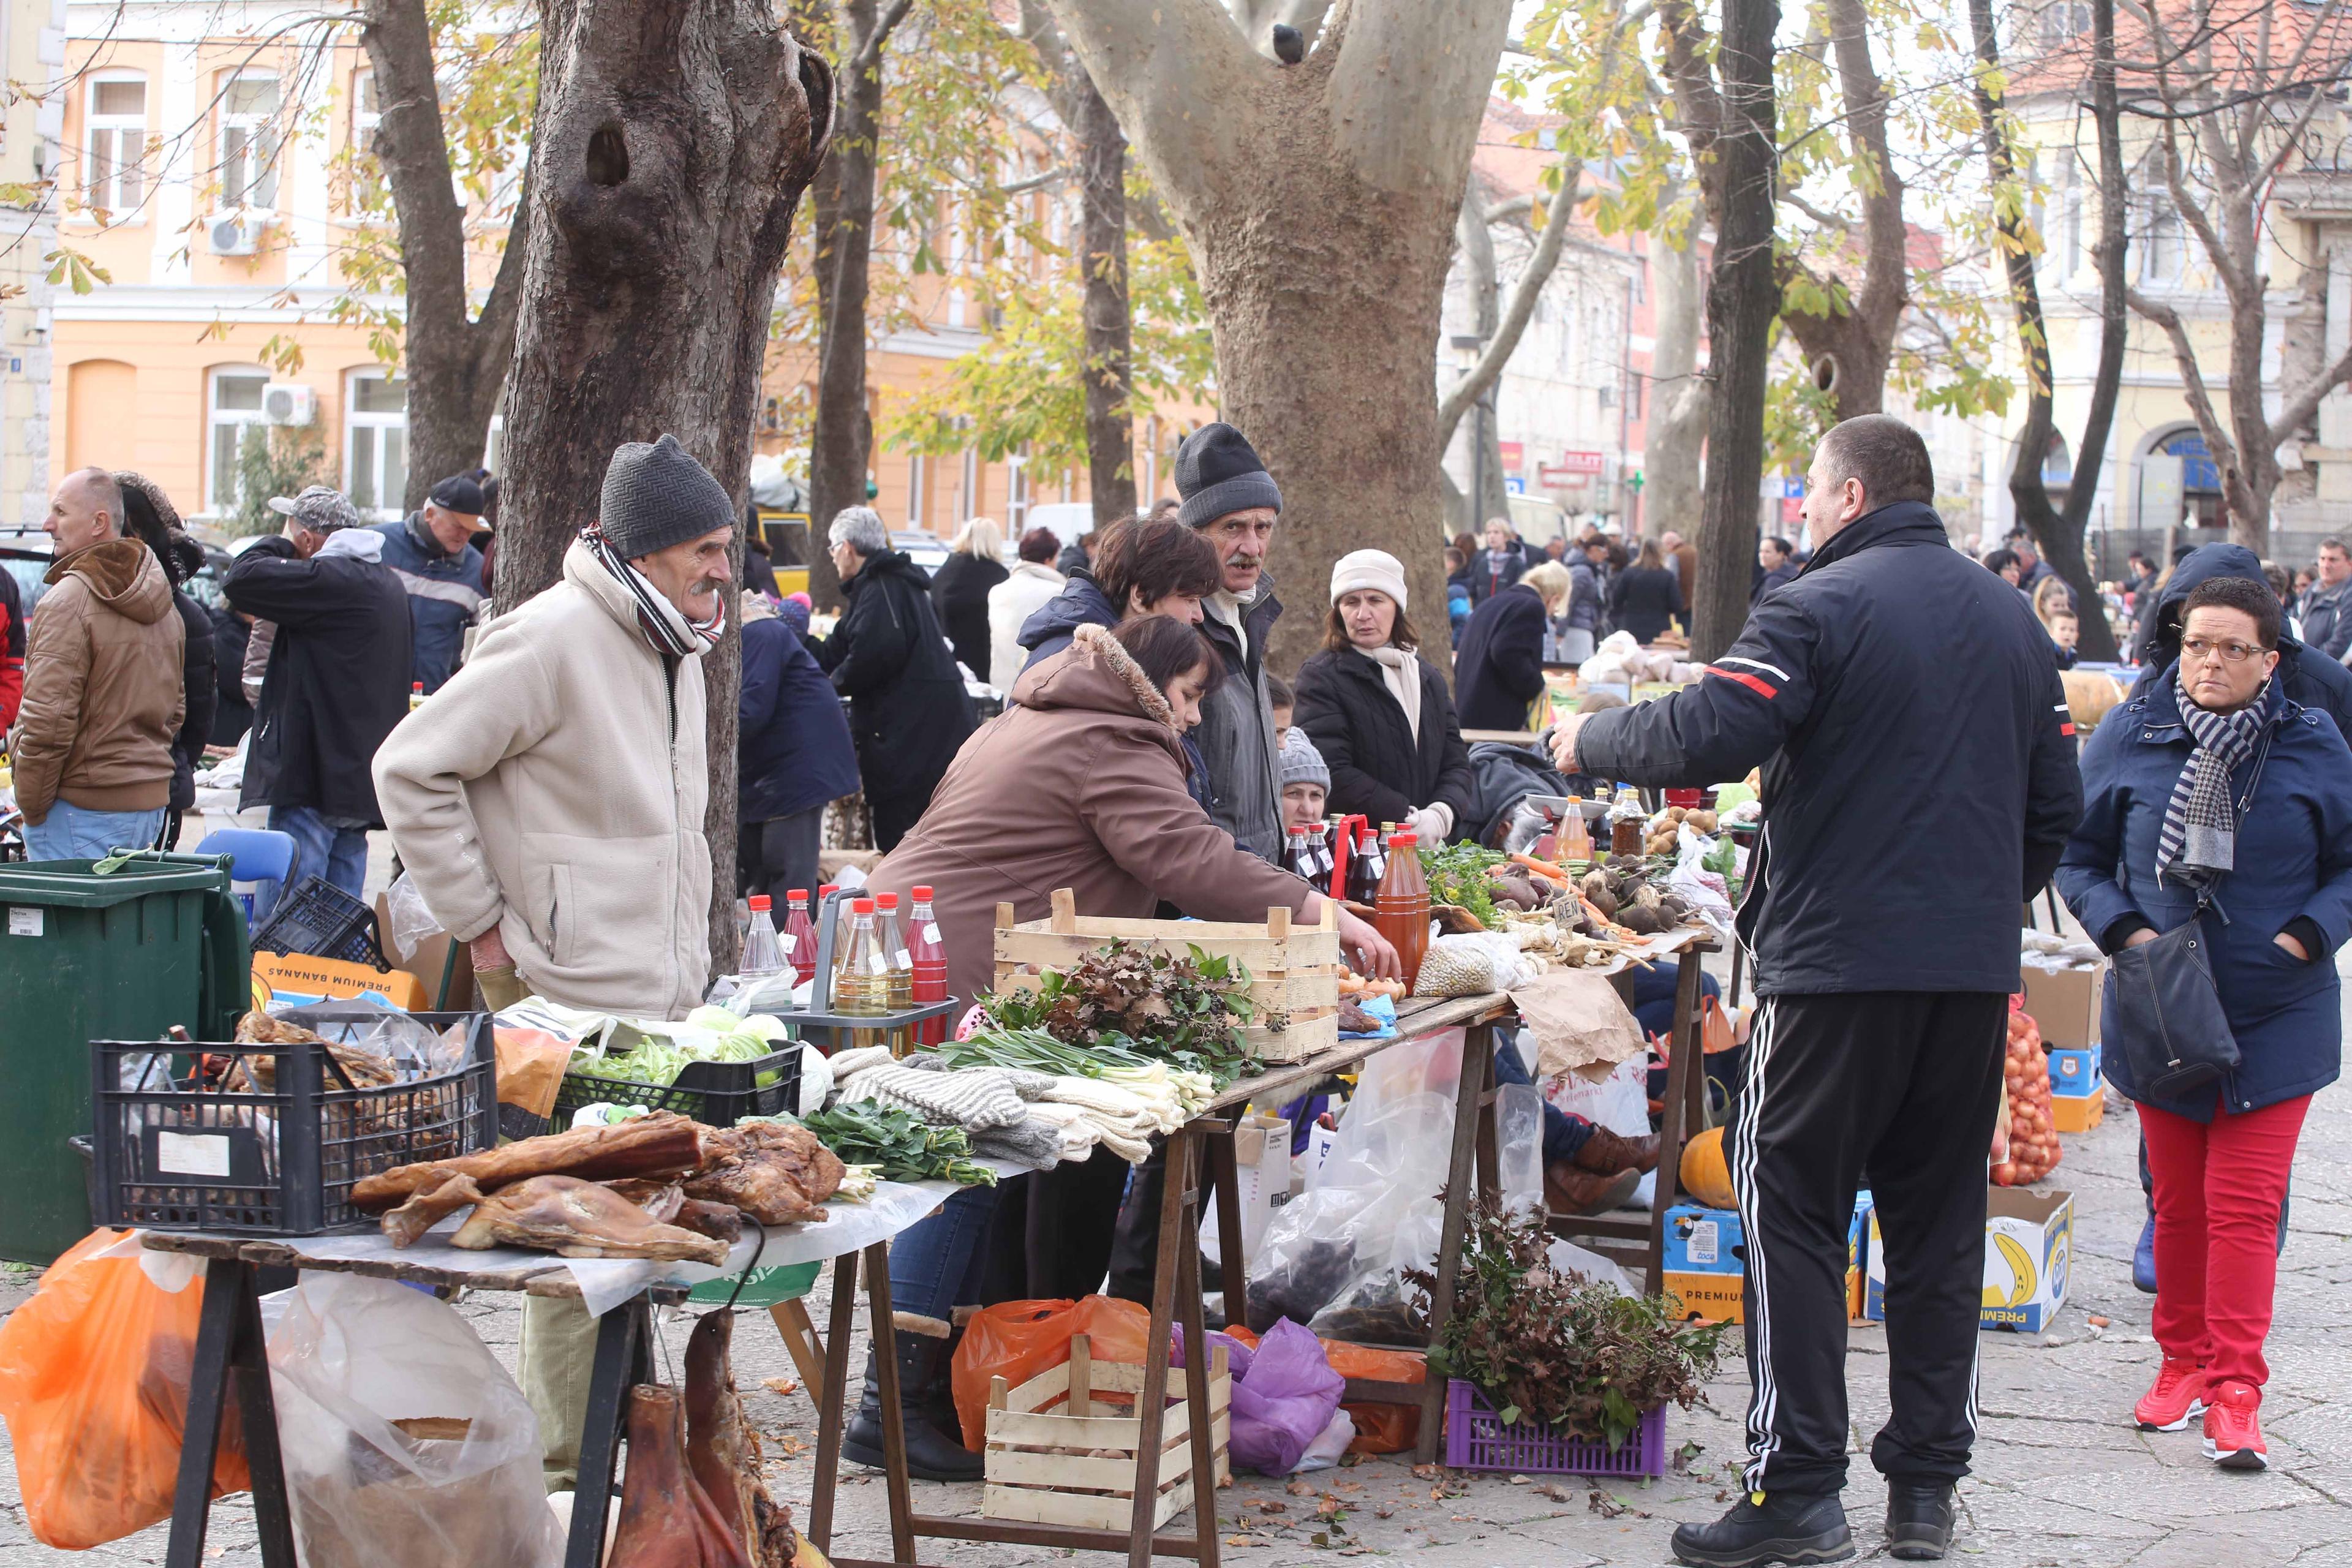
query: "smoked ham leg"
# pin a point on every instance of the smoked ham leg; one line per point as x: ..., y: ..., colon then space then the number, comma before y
x: 573, y: 1218
x: 666, y: 1518
x: 664, y: 1144
x: 723, y: 1450
x: 776, y: 1174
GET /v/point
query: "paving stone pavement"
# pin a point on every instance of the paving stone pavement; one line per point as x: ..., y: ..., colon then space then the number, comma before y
x: 2063, y: 1479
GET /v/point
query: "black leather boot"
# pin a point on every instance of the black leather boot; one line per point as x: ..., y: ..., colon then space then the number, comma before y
x: 1786, y: 1528
x: 933, y: 1454
x: 1919, y: 1519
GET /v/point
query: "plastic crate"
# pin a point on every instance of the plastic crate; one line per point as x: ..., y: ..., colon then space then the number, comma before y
x: 322, y: 921
x: 283, y: 1162
x: 716, y: 1094
x: 1476, y: 1440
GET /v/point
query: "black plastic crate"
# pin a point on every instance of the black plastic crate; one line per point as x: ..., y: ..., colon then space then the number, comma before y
x: 178, y: 1156
x: 716, y: 1094
x: 322, y: 921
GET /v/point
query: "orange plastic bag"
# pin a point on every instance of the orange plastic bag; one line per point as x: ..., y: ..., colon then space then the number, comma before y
x: 1017, y: 1339
x: 94, y: 1386
x: 1379, y: 1428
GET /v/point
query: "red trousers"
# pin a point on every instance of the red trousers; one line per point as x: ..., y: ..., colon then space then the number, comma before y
x: 2219, y: 1185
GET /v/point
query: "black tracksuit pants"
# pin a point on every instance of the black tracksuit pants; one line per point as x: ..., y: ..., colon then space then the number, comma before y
x: 1904, y: 1084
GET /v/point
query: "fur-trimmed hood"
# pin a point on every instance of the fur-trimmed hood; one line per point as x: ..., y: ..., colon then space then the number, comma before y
x: 1097, y: 675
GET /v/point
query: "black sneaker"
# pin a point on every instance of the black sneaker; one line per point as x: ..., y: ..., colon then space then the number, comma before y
x: 1787, y: 1527
x: 1919, y: 1519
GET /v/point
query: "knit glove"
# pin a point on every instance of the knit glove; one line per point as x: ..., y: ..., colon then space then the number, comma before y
x: 974, y: 1098
x: 848, y: 1064
x: 1035, y: 1144
x: 1432, y: 823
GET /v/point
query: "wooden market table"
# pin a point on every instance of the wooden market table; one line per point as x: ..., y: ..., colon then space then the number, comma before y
x: 1203, y: 1148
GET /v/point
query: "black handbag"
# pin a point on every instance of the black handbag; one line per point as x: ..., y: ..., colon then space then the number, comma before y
x: 2167, y: 1016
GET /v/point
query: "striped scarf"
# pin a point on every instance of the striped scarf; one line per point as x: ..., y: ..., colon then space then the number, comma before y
x: 2198, y: 843
x: 664, y: 626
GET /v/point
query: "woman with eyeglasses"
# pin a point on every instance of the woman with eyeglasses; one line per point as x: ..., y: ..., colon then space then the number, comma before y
x: 2213, y: 784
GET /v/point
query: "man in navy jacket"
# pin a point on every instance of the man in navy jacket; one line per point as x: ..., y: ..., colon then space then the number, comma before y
x: 1918, y: 782
x: 793, y: 756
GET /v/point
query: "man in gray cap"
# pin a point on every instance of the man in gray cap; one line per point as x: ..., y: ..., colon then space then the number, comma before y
x: 337, y: 683
x: 549, y: 803
x: 1231, y: 500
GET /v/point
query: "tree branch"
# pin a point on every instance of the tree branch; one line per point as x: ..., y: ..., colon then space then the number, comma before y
x: 1399, y: 110
x: 2192, y: 377
x: 1504, y: 211
x: 410, y: 146
x: 1560, y: 216
x: 1147, y: 59
x: 2296, y: 412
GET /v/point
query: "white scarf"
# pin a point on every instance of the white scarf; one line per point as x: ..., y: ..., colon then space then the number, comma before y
x: 1228, y: 608
x: 661, y: 622
x: 1401, y: 671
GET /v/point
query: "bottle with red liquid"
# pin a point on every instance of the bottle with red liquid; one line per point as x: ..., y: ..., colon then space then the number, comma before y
x: 1400, y: 910
x: 928, y: 960
x: 1294, y: 857
x: 800, y: 932
x: 1365, y: 871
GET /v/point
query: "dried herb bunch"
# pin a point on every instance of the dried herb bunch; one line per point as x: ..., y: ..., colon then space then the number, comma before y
x: 1557, y: 1349
x: 1187, y: 1010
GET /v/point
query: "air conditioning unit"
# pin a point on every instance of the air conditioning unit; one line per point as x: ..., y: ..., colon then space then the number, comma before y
x: 233, y: 233
x: 288, y: 403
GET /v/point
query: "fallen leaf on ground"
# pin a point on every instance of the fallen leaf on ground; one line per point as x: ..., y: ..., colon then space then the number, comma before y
x: 1556, y: 1494
x: 1521, y: 1480
x: 780, y: 1385
x: 1270, y: 1505
x: 1238, y: 1541
x: 1300, y: 1488
x: 1349, y: 1486
x: 1384, y: 1511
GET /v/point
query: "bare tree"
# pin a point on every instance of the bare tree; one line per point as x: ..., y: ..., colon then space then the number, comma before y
x: 1731, y: 133
x: 2058, y: 531
x: 1319, y: 201
x: 2233, y: 99
x: 1682, y: 402
x: 1848, y: 333
x: 674, y: 140
x: 454, y: 358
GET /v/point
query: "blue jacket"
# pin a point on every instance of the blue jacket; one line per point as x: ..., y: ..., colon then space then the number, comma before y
x: 2293, y: 855
x: 1918, y: 766
x: 443, y: 593
x: 795, y: 750
x: 1079, y: 603
x: 1498, y: 669
x: 2304, y: 672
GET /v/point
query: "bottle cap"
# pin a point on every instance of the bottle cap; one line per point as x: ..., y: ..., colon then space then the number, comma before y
x: 796, y: 895
x: 1298, y: 832
x: 922, y: 893
x: 416, y: 686
x: 886, y: 900
x: 862, y: 906
x: 1365, y: 835
x: 762, y: 904
x: 1408, y: 838
x: 828, y: 889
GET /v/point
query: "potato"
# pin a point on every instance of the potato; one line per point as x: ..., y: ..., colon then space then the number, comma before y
x: 1701, y: 821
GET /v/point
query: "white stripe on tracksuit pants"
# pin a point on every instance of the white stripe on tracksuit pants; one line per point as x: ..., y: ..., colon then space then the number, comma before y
x: 1901, y: 1087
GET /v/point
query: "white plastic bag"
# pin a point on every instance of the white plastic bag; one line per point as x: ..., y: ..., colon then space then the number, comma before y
x: 407, y: 1445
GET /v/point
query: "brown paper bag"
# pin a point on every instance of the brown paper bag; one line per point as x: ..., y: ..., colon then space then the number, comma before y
x: 1581, y: 1024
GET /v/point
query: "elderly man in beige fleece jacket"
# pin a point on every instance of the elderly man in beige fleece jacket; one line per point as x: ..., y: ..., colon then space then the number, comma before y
x: 549, y: 803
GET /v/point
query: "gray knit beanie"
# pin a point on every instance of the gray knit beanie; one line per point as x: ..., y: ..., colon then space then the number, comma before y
x: 1218, y: 474
x: 656, y: 495
x: 1300, y: 763
x: 862, y: 529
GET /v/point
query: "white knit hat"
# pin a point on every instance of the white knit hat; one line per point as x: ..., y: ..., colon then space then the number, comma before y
x: 1374, y: 569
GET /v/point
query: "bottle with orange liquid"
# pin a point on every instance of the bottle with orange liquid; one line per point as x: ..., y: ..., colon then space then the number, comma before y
x: 1401, y: 910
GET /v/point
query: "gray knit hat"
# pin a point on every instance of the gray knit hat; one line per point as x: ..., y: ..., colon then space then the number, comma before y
x: 861, y: 528
x: 1218, y: 474
x: 656, y: 495
x: 1300, y: 763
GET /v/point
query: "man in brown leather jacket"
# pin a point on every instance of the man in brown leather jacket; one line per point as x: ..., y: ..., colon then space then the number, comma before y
x: 103, y: 684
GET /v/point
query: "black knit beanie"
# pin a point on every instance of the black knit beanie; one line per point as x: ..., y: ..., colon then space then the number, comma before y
x: 656, y: 495
x: 1218, y: 474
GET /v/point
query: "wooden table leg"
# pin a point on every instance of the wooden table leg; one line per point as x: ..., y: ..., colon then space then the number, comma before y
x: 229, y: 1348
x: 1232, y: 1265
x: 1477, y: 1067
x: 1478, y: 1057
x: 1684, y: 1107
x: 1199, y: 1364
x: 893, y: 1419
x: 620, y: 1335
x: 808, y: 1353
x: 828, y: 1410
x: 1151, y: 1405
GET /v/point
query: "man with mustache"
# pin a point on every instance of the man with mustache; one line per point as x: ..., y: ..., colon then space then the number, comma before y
x: 1231, y: 500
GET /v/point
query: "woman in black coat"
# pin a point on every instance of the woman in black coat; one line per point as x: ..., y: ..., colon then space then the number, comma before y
x: 149, y: 515
x: 960, y: 592
x: 1647, y: 595
x: 1499, y: 670
x: 1379, y: 712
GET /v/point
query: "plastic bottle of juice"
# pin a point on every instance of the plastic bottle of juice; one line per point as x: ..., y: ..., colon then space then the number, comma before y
x: 1400, y: 912
x: 762, y: 953
x: 1370, y: 864
x: 800, y: 932
x: 893, y: 938
x: 1294, y: 854
x: 415, y: 695
x: 861, y: 975
x: 1575, y: 840
x: 928, y: 956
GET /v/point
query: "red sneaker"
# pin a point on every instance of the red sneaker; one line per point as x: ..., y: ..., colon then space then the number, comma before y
x: 2233, y: 1437
x: 2177, y: 1398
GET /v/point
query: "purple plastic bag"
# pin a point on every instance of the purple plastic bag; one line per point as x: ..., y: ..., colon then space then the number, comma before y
x: 1238, y: 1356
x: 1285, y: 1402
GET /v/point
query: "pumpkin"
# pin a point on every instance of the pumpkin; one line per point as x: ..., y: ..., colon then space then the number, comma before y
x: 1704, y: 1175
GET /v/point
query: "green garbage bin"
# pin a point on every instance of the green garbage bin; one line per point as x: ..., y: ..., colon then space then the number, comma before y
x: 83, y: 957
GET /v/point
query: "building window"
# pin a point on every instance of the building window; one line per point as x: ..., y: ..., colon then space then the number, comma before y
x: 2066, y: 20
x: 117, y: 142
x: 248, y: 143
x: 236, y: 409
x: 2165, y: 251
x: 915, y: 496
x: 367, y: 179
x: 377, y: 422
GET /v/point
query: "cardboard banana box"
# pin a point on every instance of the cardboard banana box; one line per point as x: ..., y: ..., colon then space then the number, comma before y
x: 2029, y: 1254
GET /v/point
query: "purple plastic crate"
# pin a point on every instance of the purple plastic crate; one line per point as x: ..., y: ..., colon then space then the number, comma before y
x: 1476, y: 1440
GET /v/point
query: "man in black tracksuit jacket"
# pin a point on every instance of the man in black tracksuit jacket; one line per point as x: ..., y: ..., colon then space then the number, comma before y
x: 1918, y: 783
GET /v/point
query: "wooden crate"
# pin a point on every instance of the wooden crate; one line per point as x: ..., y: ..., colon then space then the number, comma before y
x: 1043, y: 1435
x: 1294, y: 970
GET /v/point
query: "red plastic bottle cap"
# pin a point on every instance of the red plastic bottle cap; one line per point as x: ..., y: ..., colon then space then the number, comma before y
x: 886, y: 900
x: 797, y: 895
x: 761, y: 902
x: 862, y: 906
x: 828, y: 889
x: 1404, y: 838
x: 922, y: 893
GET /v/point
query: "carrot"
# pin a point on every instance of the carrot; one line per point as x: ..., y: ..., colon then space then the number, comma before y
x: 1542, y: 868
